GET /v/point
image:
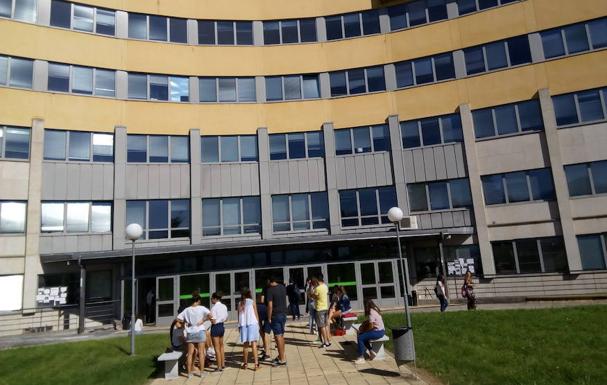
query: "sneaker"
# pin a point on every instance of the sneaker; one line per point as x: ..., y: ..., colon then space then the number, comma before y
x: 372, y: 355
x: 327, y: 345
x: 359, y: 361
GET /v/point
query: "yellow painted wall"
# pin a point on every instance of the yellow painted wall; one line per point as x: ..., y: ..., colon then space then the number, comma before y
x: 66, y: 46
x: 65, y: 111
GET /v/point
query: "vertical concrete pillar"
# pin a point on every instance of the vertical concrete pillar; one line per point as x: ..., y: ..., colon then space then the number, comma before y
x: 321, y: 29
x: 44, y: 12
x: 452, y: 10
x: 194, y: 89
x: 260, y: 89
x: 32, y: 266
x: 560, y: 182
x: 478, y: 202
x: 459, y: 62
x: 122, y: 85
x: 384, y: 21
x: 192, y: 26
x: 390, y: 76
x: 119, y: 217
x: 40, y: 75
x: 257, y: 32
x: 331, y: 178
x: 195, y: 187
x: 398, y: 167
x: 263, y: 145
x: 122, y: 25
x: 325, y: 85
x: 537, y: 49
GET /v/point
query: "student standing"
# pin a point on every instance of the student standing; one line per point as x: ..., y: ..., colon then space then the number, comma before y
x: 321, y: 302
x: 248, y: 323
x: 310, y: 305
x: 441, y: 294
x: 219, y: 315
x: 276, y: 302
x: 376, y: 331
x: 193, y: 317
x: 293, y: 294
x: 264, y: 328
x: 468, y: 291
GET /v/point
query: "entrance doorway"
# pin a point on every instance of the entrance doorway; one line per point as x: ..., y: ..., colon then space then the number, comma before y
x: 230, y: 285
x: 299, y: 275
x: 167, y: 299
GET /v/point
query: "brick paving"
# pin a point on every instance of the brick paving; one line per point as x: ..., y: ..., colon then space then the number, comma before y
x: 307, y: 364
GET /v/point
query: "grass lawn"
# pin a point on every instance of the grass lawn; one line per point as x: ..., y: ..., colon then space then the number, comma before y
x: 535, y: 347
x: 91, y: 362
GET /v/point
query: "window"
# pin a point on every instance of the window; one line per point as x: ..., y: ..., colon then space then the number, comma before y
x: 231, y: 216
x: 289, y: 31
x: 60, y: 14
x: 359, y: 81
x: 138, y: 26
x: 518, y: 186
x: 105, y: 83
x: 24, y: 10
x: 440, y: 195
x: 160, y: 87
x: 83, y: 18
x: 528, y: 256
x: 334, y: 27
x: 82, y: 80
x: 77, y: 146
x: 508, y: 119
x: 227, y: 90
x: 352, y: 25
x: 244, y: 32
x: 206, y: 32
x: 501, y: 54
x: 593, y: 251
x: 298, y: 212
x: 76, y: 217
x: 424, y: 70
x: 225, y: 32
x: 20, y: 72
x: 138, y: 87
x: 157, y: 149
x: 242, y: 148
x: 362, y: 139
x: 469, y: 6
x: 580, y: 107
x: 12, y: 217
x: 587, y: 178
x: 14, y: 143
x: 178, y: 30
x: 296, y: 145
x: 366, y: 207
x: 106, y: 22
x: 160, y: 219
x: 574, y: 38
x: 292, y: 87
x: 431, y: 131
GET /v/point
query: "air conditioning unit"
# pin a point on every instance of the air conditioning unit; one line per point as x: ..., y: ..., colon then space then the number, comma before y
x: 408, y: 223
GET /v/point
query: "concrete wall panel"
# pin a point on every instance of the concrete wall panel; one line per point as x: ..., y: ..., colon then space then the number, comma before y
x: 524, y: 212
x: 66, y: 243
x: 77, y: 181
x: 157, y: 181
x: 229, y: 179
x: 583, y: 144
x: 14, y: 177
x: 297, y: 175
x: 434, y: 163
x: 522, y: 152
x: 363, y: 170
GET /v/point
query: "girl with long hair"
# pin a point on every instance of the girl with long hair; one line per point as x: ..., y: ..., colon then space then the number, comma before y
x: 248, y: 324
x: 376, y: 330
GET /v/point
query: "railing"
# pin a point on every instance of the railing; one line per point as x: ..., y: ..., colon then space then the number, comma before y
x: 59, y: 318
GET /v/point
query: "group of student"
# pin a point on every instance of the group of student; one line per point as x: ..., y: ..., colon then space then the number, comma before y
x: 202, y: 330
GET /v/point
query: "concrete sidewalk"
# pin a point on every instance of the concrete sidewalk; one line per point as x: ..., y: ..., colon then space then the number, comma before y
x: 307, y: 364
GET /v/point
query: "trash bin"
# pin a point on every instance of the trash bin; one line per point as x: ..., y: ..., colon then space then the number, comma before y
x: 404, y: 350
x: 413, y: 298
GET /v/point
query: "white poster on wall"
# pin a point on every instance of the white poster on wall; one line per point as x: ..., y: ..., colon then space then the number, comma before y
x: 11, y: 287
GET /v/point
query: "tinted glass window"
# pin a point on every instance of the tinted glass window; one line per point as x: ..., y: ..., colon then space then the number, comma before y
x: 466, y: 6
x: 138, y: 87
x: 452, y: 128
x: 404, y: 74
x: 591, y: 252
x: 598, y: 33
x: 423, y: 71
x: 278, y: 147
x: 362, y: 140
x: 136, y: 149
x: 297, y: 147
x: 83, y: 18
x: 292, y: 87
x: 343, y: 142
x: 82, y: 80
x: 246, y: 90
x: 180, y: 149
x: 503, y: 255
x: 437, y: 10
x: 159, y: 87
x: 599, y: 176
x: 208, y: 89
x: 564, y: 109
x: 137, y: 26
x: 248, y: 148
x: 225, y: 32
x: 519, y: 51
x: 158, y: 219
x: 430, y: 131
x: 273, y: 88
x: 444, y: 67
x: 496, y: 55
x: 410, y: 134
x: 311, y: 88
x: 375, y: 79
x: 356, y: 81
x: 367, y: 201
x: 206, y: 32
x: 484, y: 4
x: 575, y: 36
x: 271, y: 32
x: 17, y: 143
x: 460, y: 193
x: 398, y: 19
x: 106, y: 22
x: 307, y: 29
x: 244, y: 32
x: 316, y: 147
x: 135, y: 213
x: 3, y: 69
x: 417, y: 197
x: 578, y: 180
x: 280, y: 213
x: 528, y: 256
x: 79, y: 146
x: 338, y: 83
x: 6, y: 8
x: 320, y: 210
x: 542, y: 187
x: 105, y: 83
x: 25, y: 10
x: 439, y: 198
x: 54, y: 145
x: 229, y: 149
x: 103, y: 147
x: 590, y: 105
x: 290, y: 33
x: 352, y: 25
x: 475, y: 62
x: 370, y: 22
x: 381, y: 138
x: 493, y: 189
x: 483, y: 123
x: 553, y: 253
x: 505, y: 119
x: 530, y: 115
x: 210, y: 148
x: 159, y: 149
x: 552, y: 41
x: 58, y: 77
x: 227, y: 89
x: 417, y: 13
x: 178, y: 30
x: 251, y: 214
x: 516, y: 183
x: 179, y: 89
x: 21, y: 73
x: 333, y: 24
x: 211, y: 217
x: 60, y: 14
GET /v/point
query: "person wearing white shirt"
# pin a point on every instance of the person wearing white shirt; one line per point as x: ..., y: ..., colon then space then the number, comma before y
x: 219, y: 315
x: 193, y: 317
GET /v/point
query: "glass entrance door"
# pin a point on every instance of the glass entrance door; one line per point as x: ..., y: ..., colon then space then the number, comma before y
x: 378, y: 282
x: 344, y: 274
x: 299, y: 275
x: 230, y: 286
x: 167, y: 301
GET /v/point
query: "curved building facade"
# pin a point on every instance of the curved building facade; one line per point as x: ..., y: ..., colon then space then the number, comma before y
x: 258, y: 138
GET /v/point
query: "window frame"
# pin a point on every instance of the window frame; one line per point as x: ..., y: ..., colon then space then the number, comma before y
x: 411, y: 64
x: 94, y: 10
x: 563, y: 37
x: 169, y: 149
x: 602, y: 97
x: 588, y: 166
x: 90, y: 204
x: 370, y: 130
x: 306, y: 144
x: 24, y: 206
x: 477, y: 8
x: 347, y: 75
x: 449, y: 196
x: 539, y: 249
x: 235, y: 24
x: 3, y: 157
x: 146, y: 226
x: 420, y: 133
x: 283, y: 87
x: 236, y: 88
x: 530, y: 190
x: 603, y: 240
x: 310, y: 221
x: 483, y: 47
x: 9, y: 64
x: 299, y: 33
x: 94, y: 91
x: 382, y: 218
x: 241, y: 224
x: 240, y: 152
x: 519, y: 125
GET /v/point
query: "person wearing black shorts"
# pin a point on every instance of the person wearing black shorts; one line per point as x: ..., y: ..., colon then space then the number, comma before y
x: 276, y: 300
x: 264, y: 328
x: 219, y: 314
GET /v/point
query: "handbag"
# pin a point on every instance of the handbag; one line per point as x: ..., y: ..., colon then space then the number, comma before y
x: 365, y: 326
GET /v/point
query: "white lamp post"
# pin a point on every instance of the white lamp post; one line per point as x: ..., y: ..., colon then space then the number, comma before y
x: 407, y: 352
x: 133, y: 233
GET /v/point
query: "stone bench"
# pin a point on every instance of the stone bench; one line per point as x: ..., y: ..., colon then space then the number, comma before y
x: 171, y: 364
x: 376, y: 345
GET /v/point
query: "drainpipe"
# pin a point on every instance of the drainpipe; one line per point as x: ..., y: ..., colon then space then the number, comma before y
x: 81, y: 317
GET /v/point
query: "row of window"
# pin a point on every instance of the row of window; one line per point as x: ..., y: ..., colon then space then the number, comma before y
x: 518, y: 186
x: 441, y: 195
x: 365, y: 207
x: 508, y: 119
x: 16, y: 72
x: 431, y: 131
x: 587, y: 178
x: 425, y: 70
x: 575, y: 38
x: 580, y: 107
x: 297, y: 145
x: 78, y: 146
x: 524, y: 256
x: 14, y: 143
x: 224, y: 32
x: 76, y: 217
x: 81, y: 80
x: 496, y: 55
x: 158, y: 149
x: 593, y: 251
x: 362, y: 139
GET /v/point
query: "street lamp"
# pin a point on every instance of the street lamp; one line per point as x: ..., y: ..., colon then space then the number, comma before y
x: 133, y: 233
x: 404, y: 348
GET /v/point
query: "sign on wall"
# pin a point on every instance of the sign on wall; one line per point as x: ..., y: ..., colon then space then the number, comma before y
x: 460, y: 266
x: 51, y: 296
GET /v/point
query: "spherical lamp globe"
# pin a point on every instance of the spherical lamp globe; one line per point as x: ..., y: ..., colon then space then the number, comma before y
x: 395, y: 214
x: 133, y: 232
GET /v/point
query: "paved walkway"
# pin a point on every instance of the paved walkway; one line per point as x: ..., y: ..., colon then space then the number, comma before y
x: 307, y: 365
